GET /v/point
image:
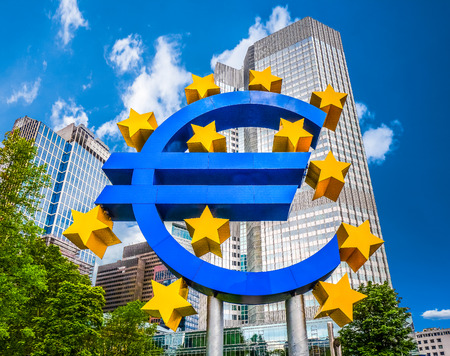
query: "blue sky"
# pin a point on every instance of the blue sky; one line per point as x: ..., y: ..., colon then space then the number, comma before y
x: 89, y: 61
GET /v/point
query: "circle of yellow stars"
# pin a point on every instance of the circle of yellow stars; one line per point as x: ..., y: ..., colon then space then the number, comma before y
x: 93, y: 230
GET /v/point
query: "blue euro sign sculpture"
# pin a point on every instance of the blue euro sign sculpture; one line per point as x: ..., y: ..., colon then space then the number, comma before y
x: 164, y: 183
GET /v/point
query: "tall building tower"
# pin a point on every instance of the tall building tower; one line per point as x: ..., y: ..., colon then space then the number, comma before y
x: 308, y: 56
x: 74, y: 159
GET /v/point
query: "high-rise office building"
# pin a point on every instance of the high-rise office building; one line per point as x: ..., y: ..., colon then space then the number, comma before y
x: 74, y: 159
x: 308, y: 55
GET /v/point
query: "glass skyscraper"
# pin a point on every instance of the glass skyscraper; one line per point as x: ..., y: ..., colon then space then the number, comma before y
x: 308, y: 55
x: 74, y: 159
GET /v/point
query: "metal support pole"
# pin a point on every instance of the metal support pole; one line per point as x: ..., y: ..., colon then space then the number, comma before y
x: 331, y: 338
x: 335, y: 345
x: 214, y: 329
x: 296, y: 326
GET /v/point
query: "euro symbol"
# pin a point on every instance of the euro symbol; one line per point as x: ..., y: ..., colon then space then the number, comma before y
x: 163, y: 183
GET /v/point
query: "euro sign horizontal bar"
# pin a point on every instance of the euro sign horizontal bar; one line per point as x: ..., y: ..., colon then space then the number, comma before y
x: 178, y: 202
x: 175, y: 168
x: 236, y: 186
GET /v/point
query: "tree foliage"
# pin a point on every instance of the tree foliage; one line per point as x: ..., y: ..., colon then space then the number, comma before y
x: 46, y: 306
x: 379, y: 327
x: 20, y: 277
x: 127, y: 332
x: 32, y: 274
x: 72, y: 321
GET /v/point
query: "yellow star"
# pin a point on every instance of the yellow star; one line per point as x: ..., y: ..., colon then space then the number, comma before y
x: 208, y: 233
x: 357, y: 244
x: 206, y: 139
x: 327, y: 177
x: 201, y: 88
x: 169, y: 303
x: 336, y: 300
x: 292, y: 137
x: 137, y: 128
x: 92, y: 230
x: 332, y: 103
x: 264, y: 81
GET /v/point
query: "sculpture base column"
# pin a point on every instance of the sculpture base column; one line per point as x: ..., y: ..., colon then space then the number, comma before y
x: 214, y: 327
x: 296, y: 326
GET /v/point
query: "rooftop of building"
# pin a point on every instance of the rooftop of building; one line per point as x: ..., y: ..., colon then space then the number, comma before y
x: 73, y: 133
x: 432, y: 329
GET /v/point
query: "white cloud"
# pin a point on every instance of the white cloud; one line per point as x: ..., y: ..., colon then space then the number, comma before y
x: 126, y: 53
x: 128, y: 234
x: 28, y: 92
x: 159, y: 87
x: 44, y: 65
x: 70, y: 17
x: 65, y: 113
x: 279, y: 19
x: 378, y: 143
x: 109, y: 128
x: 363, y: 111
x: 437, y: 314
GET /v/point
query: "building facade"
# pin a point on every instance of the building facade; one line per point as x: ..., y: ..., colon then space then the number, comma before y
x: 308, y: 56
x: 255, y: 340
x: 74, y: 159
x: 433, y: 342
x: 129, y: 279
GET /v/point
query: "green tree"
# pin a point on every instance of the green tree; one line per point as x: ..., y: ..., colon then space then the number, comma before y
x: 32, y: 274
x: 379, y: 327
x: 72, y: 322
x: 127, y: 331
x: 20, y: 278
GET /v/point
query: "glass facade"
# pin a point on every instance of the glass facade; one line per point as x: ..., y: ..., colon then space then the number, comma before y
x: 308, y: 56
x: 74, y: 160
x: 245, y: 340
